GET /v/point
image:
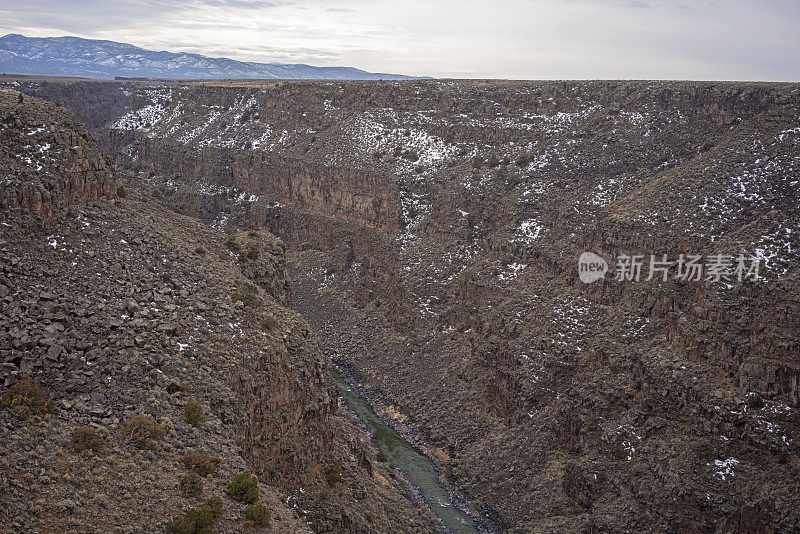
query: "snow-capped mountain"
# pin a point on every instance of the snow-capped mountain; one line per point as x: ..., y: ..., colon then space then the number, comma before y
x: 74, y: 56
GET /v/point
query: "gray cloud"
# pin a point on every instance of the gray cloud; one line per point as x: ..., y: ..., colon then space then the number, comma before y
x: 686, y: 39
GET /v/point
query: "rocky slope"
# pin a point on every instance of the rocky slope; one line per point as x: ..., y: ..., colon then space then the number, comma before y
x: 434, y: 230
x: 119, y: 319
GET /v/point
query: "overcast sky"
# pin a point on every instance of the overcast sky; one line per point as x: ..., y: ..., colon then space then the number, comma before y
x: 538, y: 39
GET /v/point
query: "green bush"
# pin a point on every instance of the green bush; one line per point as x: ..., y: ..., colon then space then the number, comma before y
x: 201, y: 463
x: 258, y: 515
x: 704, y: 450
x: 87, y: 438
x: 243, y: 488
x: 381, y: 457
x: 755, y: 401
x: 141, y: 431
x: 333, y: 473
x: 191, y: 485
x: 196, y: 521
x: 194, y: 413
x: 215, y: 503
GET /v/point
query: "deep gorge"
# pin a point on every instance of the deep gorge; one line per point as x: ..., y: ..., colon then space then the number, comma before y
x: 432, y: 230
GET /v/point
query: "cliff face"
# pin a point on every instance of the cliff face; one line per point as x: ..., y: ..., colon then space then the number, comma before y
x: 217, y: 137
x: 434, y: 230
x: 48, y: 161
x: 95, y: 103
x: 116, y: 319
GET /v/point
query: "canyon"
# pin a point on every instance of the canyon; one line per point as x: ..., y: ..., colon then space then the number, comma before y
x: 432, y: 230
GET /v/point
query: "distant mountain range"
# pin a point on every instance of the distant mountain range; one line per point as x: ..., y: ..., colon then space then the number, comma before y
x: 74, y: 56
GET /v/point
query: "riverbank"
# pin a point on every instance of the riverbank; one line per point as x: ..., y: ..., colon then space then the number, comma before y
x: 418, y: 469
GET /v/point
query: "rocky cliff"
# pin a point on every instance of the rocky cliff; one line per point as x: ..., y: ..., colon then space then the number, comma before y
x: 434, y: 230
x: 49, y: 162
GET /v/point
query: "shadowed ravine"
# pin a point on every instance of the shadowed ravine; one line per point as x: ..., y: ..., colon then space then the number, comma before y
x: 416, y: 467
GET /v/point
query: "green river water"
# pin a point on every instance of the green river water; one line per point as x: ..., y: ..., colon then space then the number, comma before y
x: 416, y: 467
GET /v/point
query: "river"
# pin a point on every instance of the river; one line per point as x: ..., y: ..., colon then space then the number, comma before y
x: 415, y: 466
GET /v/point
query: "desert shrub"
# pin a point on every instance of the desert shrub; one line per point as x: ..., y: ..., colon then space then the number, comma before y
x: 200, y: 250
x: 258, y: 515
x: 783, y: 458
x: 141, y: 431
x: 755, y: 401
x: 231, y: 243
x: 513, y: 182
x: 269, y: 321
x: 201, y: 463
x: 333, y: 473
x: 381, y: 457
x: 86, y: 438
x: 493, y: 161
x: 8, y: 133
x: 250, y: 254
x: 411, y: 155
x: 122, y: 192
x: 195, y: 520
x: 617, y: 452
x: 523, y: 160
x: 25, y: 398
x: 477, y: 161
x: 248, y: 294
x: 193, y: 412
x: 243, y: 488
x: 215, y: 504
x: 703, y: 449
x: 191, y: 485
x: 579, y: 487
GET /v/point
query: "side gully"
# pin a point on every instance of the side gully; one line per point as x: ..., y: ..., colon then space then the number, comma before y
x: 452, y: 511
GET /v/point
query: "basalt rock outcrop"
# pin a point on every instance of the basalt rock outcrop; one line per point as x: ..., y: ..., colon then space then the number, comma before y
x: 49, y: 162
